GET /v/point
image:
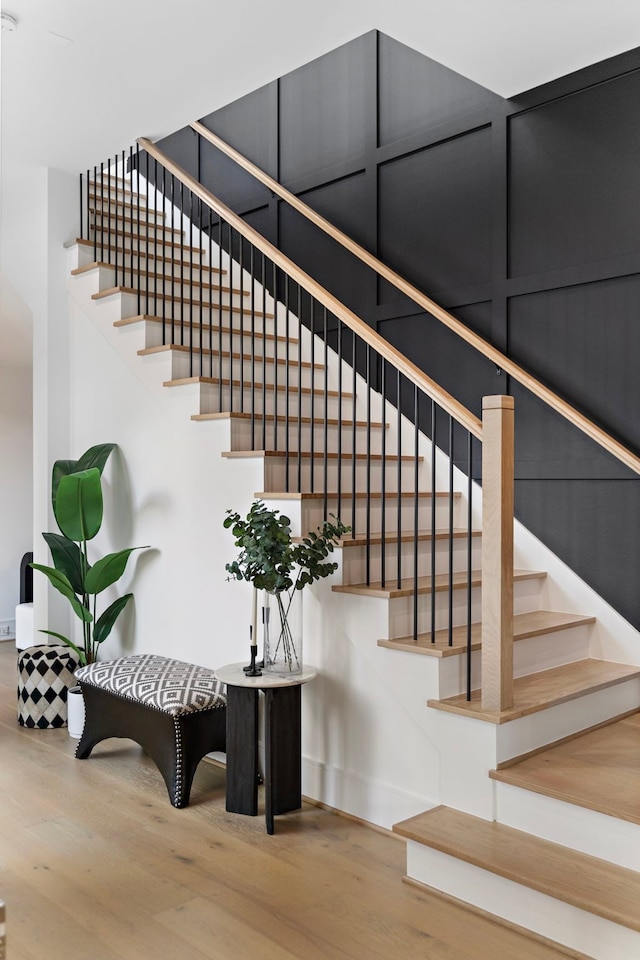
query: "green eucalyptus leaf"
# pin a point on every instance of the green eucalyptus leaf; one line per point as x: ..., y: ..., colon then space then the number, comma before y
x: 106, y: 571
x: 61, y: 582
x: 78, y: 505
x: 105, y: 622
x: 66, y: 558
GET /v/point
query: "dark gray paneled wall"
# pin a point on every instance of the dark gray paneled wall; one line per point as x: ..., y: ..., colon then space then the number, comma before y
x: 520, y: 216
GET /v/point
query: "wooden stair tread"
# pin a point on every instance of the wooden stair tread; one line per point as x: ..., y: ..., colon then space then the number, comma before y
x: 83, y: 242
x: 441, y: 582
x: 525, y: 625
x: 217, y: 287
x: 586, y: 882
x: 320, y: 454
x: 155, y: 226
x: 151, y: 234
x: 599, y: 770
x: 206, y: 351
x: 319, y: 391
x: 361, y: 540
x: 282, y: 418
x: 158, y: 295
x: 196, y: 325
x: 373, y: 495
x: 539, y: 691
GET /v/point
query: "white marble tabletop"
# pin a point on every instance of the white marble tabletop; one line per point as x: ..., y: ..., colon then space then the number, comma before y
x: 233, y: 674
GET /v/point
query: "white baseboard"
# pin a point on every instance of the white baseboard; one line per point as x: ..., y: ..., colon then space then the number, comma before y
x: 370, y: 800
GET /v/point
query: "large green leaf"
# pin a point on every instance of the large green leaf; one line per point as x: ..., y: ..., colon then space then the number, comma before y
x: 61, y: 582
x: 66, y: 558
x: 95, y: 457
x: 105, y: 622
x: 78, y: 506
x: 107, y: 570
x: 61, y: 468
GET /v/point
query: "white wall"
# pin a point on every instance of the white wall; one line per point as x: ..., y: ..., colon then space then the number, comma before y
x: 16, y: 475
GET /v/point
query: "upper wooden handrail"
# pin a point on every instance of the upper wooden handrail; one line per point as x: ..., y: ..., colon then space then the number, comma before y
x: 579, y: 420
x: 413, y: 373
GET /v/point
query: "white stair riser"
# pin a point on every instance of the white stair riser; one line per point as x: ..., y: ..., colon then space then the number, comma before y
x: 102, y: 247
x: 552, y: 649
x: 184, y: 363
x: 354, y: 560
x: 546, y: 726
x: 151, y: 236
x: 272, y: 439
x: 312, y: 513
x: 551, y: 918
x: 157, y: 333
x: 103, y: 212
x: 571, y: 825
x: 298, y: 403
x: 318, y: 475
x: 193, y: 311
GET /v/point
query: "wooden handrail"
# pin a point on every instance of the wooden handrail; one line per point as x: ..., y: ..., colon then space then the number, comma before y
x: 413, y: 373
x: 551, y: 399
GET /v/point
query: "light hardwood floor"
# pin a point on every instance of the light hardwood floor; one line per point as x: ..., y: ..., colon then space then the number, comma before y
x: 95, y: 864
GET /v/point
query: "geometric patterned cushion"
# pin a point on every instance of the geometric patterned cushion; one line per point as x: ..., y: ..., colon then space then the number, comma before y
x: 168, y: 685
x: 45, y: 673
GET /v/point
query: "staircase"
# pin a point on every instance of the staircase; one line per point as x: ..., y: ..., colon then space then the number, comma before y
x: 533, y: 818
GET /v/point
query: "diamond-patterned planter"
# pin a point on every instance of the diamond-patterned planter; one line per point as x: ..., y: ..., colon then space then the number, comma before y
x: 45, y: 674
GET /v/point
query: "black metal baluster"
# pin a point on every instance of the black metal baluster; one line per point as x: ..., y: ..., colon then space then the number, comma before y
x: 189, y: 299
x: 201, y: 296
x: 383, y: 486
x: 241, y: 259
x: 155, y: 250
x: 469, y: 554
x: 263, y: 276
x: 220, y: 337
x: 312, y: 396
x: 182, y: 256
x: 340, y: 401
x: 286, y: 378
x: 210, y: 337
x: 399, y: 475
x: 82, y: 209
x: 434, y: 493
x: 367, y: 549
x: 95, y: 204
x: 325, y: 461
x: 115, y: 216
x: 275, y: 371
x: 138, y: 251
x: 172, y: 266
x: 354, y: 438
x: 299, y: 450
x: 416, y: 528
x: 451, y: 530
x: 253, y: 346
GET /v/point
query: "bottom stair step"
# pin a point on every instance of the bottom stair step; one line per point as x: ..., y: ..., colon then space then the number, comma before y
x: 508, y: 870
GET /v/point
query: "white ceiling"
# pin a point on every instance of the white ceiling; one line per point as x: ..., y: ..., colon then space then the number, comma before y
x: 148, y: 67
x: 81, y: 80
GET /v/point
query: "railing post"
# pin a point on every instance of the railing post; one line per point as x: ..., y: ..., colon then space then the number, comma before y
x: 497, y: 552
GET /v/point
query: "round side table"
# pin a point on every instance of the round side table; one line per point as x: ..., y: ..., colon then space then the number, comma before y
x: 283, y: 746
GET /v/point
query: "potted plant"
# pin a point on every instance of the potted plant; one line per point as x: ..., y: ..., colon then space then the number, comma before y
x: 271, y: 561
x: 76, y: 494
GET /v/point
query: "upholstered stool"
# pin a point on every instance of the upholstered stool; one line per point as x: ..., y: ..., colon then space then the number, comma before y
x: 45, y: 673
x: 176, y: 711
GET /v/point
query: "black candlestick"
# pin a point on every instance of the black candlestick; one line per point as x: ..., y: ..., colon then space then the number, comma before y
x: 252, y: 669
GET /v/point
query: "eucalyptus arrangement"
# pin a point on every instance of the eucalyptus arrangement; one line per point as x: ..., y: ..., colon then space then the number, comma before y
x: 270, y: 561
x: 76, y: 494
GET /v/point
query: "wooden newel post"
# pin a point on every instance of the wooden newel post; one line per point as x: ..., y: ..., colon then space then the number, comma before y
x: 497, y: 552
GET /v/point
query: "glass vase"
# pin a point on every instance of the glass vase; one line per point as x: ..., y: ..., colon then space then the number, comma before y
x: 282, y: 621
